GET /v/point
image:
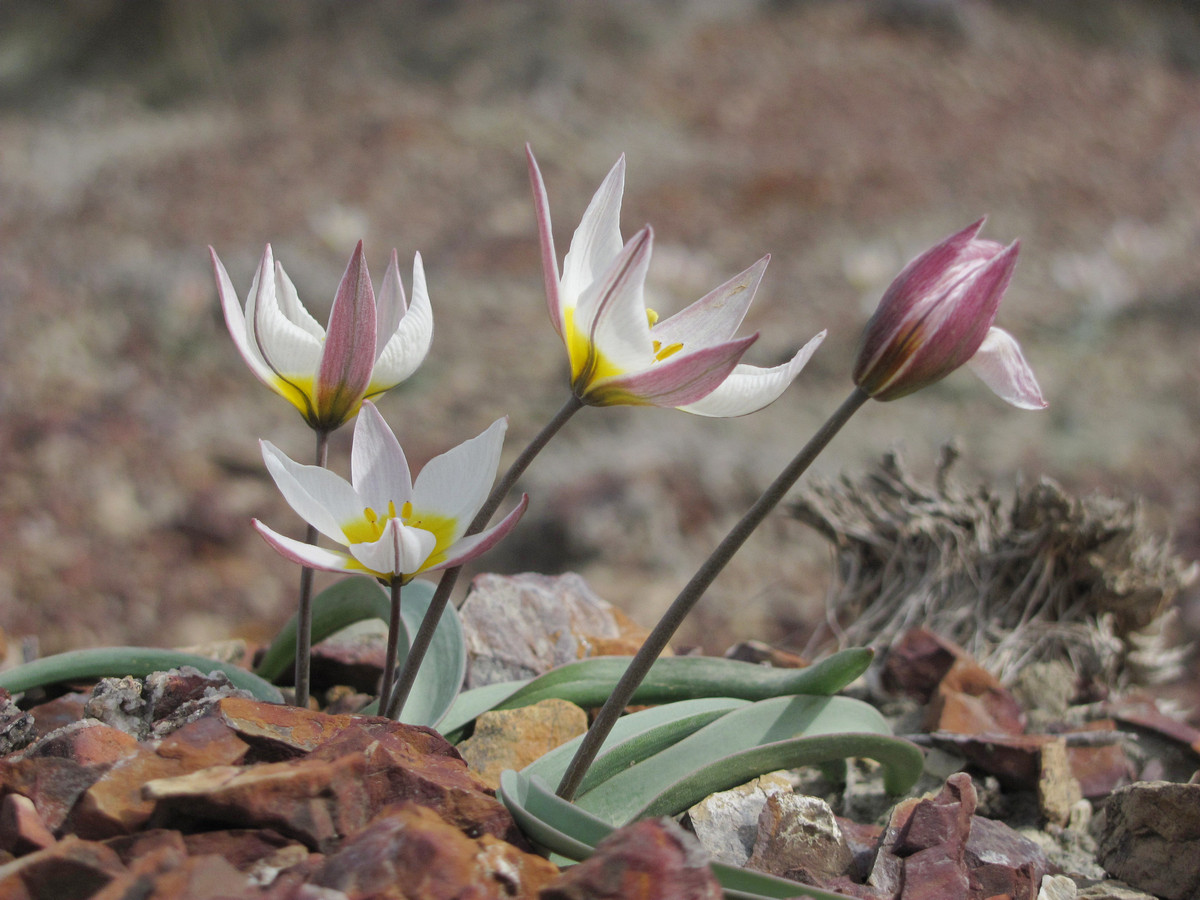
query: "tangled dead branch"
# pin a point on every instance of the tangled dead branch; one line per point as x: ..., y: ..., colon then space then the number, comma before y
x: 1016, y: 578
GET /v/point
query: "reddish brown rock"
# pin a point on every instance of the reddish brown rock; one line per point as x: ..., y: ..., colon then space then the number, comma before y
x: 87, y: 742
x: 917, y: 662
x: 1015, y: 760
x: 513, y: 738
x: 242, y: 847
x: 53, y: 784
x: 203, y: 743
x: 1150, y: 829
x: 166, y: 875
x: 54, y: 714
x: 1100, y: 768
x: 970, y: 700
x: 72, y: 869
x: 278, y: 731
x: 409, y: 853
x: 21, y: 828
x: 142, y: 843
x: 654, y: 859
x: 1003, y: 863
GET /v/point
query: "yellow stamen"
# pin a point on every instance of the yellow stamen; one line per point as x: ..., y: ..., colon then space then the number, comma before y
x: 651, y: 317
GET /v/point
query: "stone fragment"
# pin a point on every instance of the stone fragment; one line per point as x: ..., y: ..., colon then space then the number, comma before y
x: 276, y: 731
x: 1112, y: 890
x: 1015, y: 760
x: 17, y: 727
x: 354, y: 656
x: 21, y: 827
x: 1057, y: 887
x: 513, y: 738
x: 243, y: 848
x: 917, y: 662
x: 165, y: 875
x: 72, y: 869
x: 922, y: 852
x: 652, y: 859
x: 726, y: 823
x: 178, y: 696
x: 143, y: 843
x: 409, y: 853
x: 799, y: 839
x: 87, y: 742
x: 520, y: 626
x: 1058, y: 791
x: 1101, y: 767
x: 54, y: 714
x: 118, y: 702
x: 1002, y: 862
x: 970, y: 700
x: 761, y: 653
x: 53, y: 784
x: 338, y: 788
x: 1150, y: 829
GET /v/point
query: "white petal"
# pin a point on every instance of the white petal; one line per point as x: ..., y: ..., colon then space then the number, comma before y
x: 597, y: 240
x: 750, y: 388
x: 389, y: 305
x: 612, y: 312
x: 407, y: 347
x: 290, y: 305
x: 235, y: 319
x: 1001, y: 366
x: 290, y: 350
x: 456, y: 483
x: 307, y: 554
x: 468, y: 548
x: 319, y: 497
x: 402, y: 550
x: 715, y: 317
x: 378, y: 468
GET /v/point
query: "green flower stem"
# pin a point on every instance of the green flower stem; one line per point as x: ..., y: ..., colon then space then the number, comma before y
x: 304, y: 620
x: 657, y: 641
x: 420, y: 644
x: 393, y: 644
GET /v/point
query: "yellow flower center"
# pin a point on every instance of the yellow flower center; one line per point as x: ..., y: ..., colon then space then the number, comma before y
x: 371, y: 526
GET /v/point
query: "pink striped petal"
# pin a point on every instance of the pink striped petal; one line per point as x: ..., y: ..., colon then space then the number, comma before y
x: 677, y: 381
x: 307, y: 554
x: 348, y: 356
x: 749, y: 388
x: 469, y: 548
x: 541, y: 205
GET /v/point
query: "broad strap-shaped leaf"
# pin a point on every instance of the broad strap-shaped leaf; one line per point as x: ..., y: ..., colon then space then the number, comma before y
x: 117, y: 662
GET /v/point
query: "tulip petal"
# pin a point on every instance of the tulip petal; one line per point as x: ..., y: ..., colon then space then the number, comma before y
x: 378, y: 468
x: 715, y: 316
x: 390, y: 304
x: 597, y: 240
x: 409, y: 342
x: 291, y: 352
x: 1000, y: 364
x: 456, y: 483
x: 749, y: 388
x: 307, y: 554
x: 320, y: 497
x: 678, y: 381
x: 348, y: 355
x: 292, y: 308
x: 235, y: 318
x: 468, y: 548
x: 400, y: 550
x: 541, y: 205
x: 611, y: 317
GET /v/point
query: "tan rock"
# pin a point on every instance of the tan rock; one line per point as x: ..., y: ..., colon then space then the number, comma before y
x: 1058, y: 790
x: 87, y: 742
x: 514, y: 738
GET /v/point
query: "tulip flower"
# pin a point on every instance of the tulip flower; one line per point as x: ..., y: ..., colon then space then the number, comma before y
x: 620, y: 353
x: 937, y: 315
x: 390, y: 526
x: 370, y: 346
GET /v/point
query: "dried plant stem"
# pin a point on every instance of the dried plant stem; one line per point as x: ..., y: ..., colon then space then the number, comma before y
x: 304, y: 613
x: 437, y: 605
x: 662, y: 633
x: 393, y: 645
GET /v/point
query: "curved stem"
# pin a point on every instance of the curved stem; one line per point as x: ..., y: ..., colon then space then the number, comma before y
x: 393, y: 645
x: 437, y: 605
x: 657, y: 640
x: 304, y: 614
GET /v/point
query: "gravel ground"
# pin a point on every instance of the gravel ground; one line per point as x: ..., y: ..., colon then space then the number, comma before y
x: 842, y: 138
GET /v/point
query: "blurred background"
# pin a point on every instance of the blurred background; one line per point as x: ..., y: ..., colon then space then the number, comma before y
x: 841, y: 137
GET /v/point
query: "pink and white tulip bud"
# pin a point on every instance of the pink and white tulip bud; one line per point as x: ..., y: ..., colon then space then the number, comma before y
x: 937, y: 315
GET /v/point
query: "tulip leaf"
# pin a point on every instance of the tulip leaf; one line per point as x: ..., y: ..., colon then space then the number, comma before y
x: 117, y: 662
x: 563, y: 828
x: 589, y: 682
x: 357, y: 598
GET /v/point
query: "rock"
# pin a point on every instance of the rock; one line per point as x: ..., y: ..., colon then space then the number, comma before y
x: 761, y: 653
x: 72, y: 869
x: 1057, y: 887
x: 653, y: 859
x: 520, y: 626
x: 338, y: 788
x: 275, y: 731
x: 1150, y: 838
x: 923, y: 849
x: 118, y: 702
x: 409, y: 853
x: 21, y: 827
x: 165, y: 875
x: 87, y: 742
x: 970, y: 700
x: 354, y: 656
x: 1101, y: 766
x: 17, y: 727
x: 799, y: 839
x: 1112, y: 890
x: 160, y: 703
x: 726, y: 823
x: 1001, y: 862
x: 1058, y: 791
x: 53, y: 784
x: 513, y: 738
x: 54, y: 714
x: 917, y: 662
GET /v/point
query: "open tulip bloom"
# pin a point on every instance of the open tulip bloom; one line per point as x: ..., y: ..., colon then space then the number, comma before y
x: 370, y: 347
x: 390, y: 526
x: 937, y: 315
x: 619, y: 352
